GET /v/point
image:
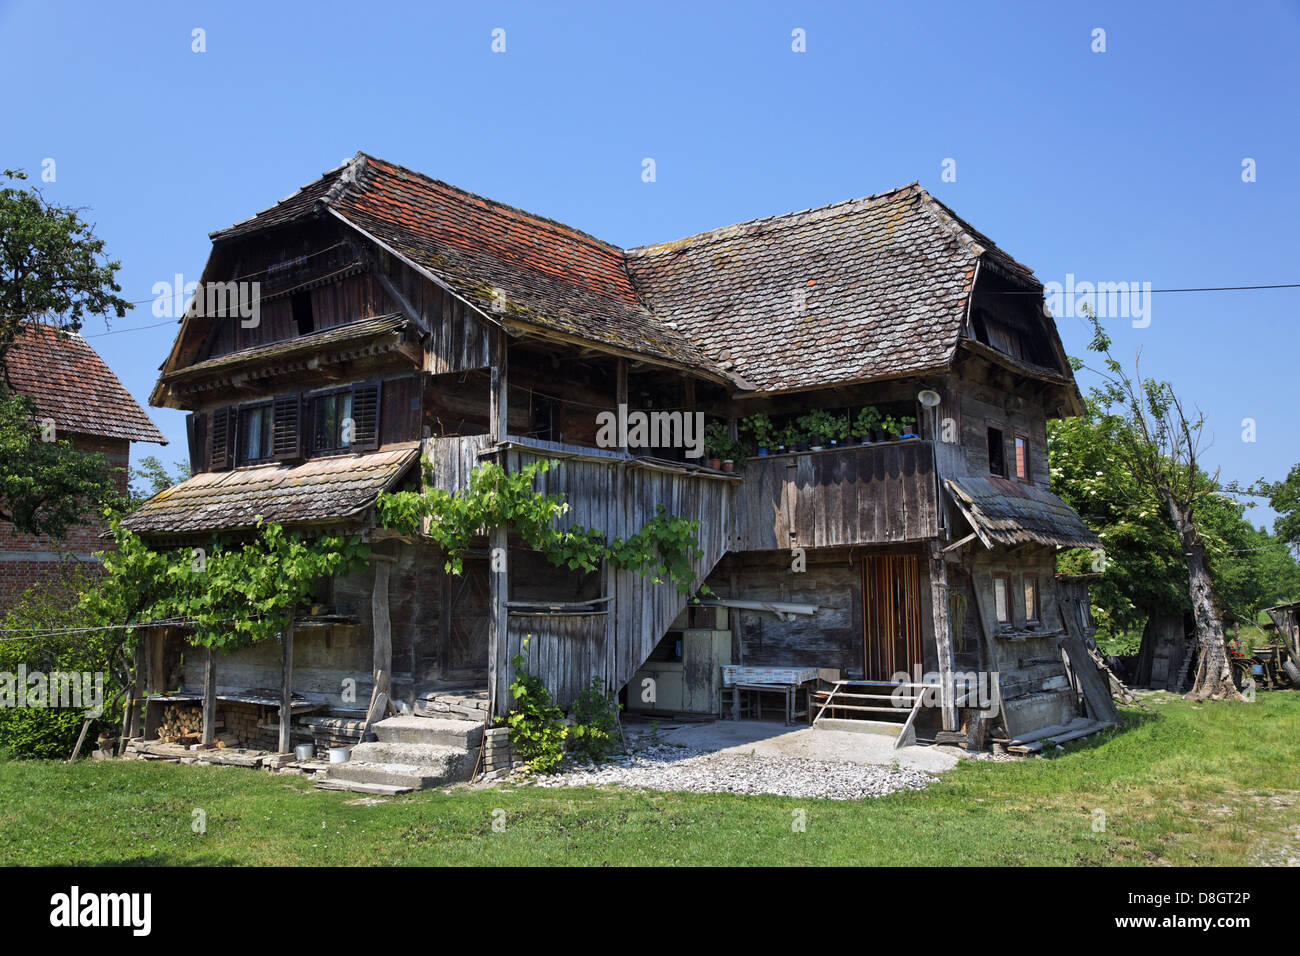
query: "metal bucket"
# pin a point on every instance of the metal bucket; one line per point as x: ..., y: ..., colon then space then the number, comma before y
x: 340, y: 754
x: 304, y: 752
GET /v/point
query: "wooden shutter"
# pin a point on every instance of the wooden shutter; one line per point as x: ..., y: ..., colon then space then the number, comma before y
x: 286, y: 428
x: 221, y: 445
x: 365, y: 416
x: 196, y: 432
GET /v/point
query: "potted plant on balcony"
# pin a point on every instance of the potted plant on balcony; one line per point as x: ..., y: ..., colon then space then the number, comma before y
x: 894, y: 427
x: 761, y: 432
x: 823, y: 428
x: 716, y: 443
x: 867, y: 424
x: 793, y: 438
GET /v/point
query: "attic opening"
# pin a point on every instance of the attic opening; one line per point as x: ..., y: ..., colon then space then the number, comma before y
x: 303, y: 318
x: 997, y: 453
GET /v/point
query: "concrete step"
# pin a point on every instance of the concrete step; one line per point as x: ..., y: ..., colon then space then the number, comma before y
x: 444, y: 731
x: 884, y: 727
x: 419, y: 755
x: 410, y: 776
x: 376, y: 789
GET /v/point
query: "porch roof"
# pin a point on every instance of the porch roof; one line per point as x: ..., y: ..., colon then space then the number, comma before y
x: 1003, y: 511
x: 319, y: 491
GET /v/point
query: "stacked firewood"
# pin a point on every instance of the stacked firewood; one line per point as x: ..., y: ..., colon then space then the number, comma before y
x: 181, y: 724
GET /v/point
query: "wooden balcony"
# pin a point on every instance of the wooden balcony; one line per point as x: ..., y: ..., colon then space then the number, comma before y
x: 853, y: 495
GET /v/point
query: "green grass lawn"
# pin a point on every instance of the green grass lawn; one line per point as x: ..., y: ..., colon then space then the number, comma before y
x: 1182, y: 783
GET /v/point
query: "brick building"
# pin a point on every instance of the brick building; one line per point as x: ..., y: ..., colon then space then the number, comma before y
x: 89, y: 407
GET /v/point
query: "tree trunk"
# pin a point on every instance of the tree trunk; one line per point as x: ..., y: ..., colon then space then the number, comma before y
x: 1214, y: 672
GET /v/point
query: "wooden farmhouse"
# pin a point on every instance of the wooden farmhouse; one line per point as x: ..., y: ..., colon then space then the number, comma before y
x: 448, y: 327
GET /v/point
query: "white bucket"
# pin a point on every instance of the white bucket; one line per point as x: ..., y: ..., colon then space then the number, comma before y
x: 304, y: 752
x: 340, y: 754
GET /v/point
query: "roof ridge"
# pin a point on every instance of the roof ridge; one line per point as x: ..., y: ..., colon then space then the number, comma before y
x: 725, y: 232
x: 554, y: 225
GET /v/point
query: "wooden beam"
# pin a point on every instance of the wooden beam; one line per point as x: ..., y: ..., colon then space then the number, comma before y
x: 286, y: 687
x: 209, y: 699
x: 498, y: 621
x: 381, y: 625
x: 498, y: 403
x: 620, y: 388
x: 942, y: 634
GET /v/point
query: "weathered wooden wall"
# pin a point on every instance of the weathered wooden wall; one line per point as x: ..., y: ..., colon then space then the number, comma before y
x: 860, y: 494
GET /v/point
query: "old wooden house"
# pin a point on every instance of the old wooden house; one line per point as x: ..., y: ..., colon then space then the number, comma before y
x: 444, y: 326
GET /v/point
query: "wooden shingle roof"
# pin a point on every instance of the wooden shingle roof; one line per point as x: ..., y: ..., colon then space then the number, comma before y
x: 70, y: 384
x: 856, y: 291
x: 1007, y: 512
x: 320, y: 491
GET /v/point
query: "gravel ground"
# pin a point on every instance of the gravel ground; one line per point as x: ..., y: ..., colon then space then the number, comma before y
x: 665, y: 767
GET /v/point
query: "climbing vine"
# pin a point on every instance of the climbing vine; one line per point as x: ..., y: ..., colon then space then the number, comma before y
x: 662, y: 549
x: 232, y: 593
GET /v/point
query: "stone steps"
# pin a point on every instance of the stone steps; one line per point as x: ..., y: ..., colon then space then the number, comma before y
x: 411, y: 753
x: 448, y: 732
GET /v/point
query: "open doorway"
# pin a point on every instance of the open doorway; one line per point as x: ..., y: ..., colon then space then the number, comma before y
x: 891, y: 614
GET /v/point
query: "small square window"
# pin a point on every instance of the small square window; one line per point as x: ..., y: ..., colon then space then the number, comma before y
x: 997, y: 453
x: 1031, y: 600
x: 1022, y: 458
x: 1002, y: 598
x: 255, y: 433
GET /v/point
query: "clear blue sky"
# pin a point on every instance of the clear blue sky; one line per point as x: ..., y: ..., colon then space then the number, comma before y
x: 1115, y: 166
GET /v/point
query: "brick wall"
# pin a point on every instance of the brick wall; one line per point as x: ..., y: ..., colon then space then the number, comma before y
x: 26, y: 560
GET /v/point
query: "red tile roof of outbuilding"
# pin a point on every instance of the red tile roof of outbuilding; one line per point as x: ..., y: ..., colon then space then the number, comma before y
x: 70, y: 384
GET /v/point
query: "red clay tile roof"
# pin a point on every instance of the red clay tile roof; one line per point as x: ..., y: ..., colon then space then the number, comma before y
x: 859, y: 290
x: 70, y: 384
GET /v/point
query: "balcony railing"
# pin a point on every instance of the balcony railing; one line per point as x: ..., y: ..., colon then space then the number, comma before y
x: 851, y: 495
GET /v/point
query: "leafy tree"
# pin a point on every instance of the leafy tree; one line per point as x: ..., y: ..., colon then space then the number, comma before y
x: 1158, y: 443
x: 1284, y: 498
x: 45, y: 486
x: 52, y: 266
x: 151, y: 476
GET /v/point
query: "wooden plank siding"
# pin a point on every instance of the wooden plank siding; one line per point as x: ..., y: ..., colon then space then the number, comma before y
x: 857, y: 495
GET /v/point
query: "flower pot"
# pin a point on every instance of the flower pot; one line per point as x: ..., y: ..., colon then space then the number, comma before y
x: 715, y: 463
x: 763, y: 453
x: 729, y: 465
x: 817, y: 448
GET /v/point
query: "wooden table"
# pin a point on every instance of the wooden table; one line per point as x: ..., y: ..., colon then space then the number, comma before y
x: 789, y: 691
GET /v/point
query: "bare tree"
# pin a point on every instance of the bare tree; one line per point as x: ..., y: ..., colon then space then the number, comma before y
x: 1161, y: 445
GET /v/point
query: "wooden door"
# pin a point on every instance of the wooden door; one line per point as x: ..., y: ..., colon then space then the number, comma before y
x: 465, y: 622
x: 891, y: 614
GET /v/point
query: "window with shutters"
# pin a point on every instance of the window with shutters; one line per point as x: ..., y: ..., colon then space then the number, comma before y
x: 286, y: 429
x: 255, y: 433
x: 221, y: 439
x: 346, y: 419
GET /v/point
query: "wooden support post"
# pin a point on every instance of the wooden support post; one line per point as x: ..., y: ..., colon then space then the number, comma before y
x: 381, y: 624
x: 446, y: 597
x: 499, y: 651
x: 620, y: 388
x: 498, y: 389
x: 286, y: 688
x: 209, y: 698
x: 943, y: 634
